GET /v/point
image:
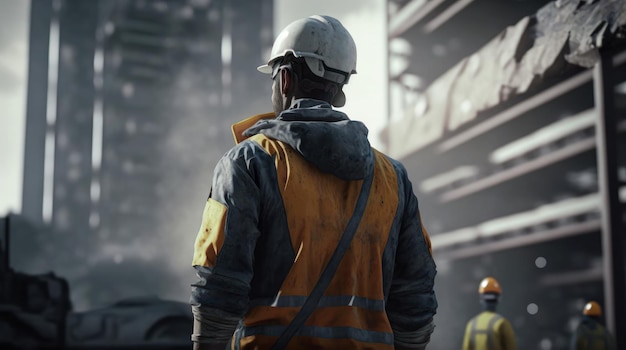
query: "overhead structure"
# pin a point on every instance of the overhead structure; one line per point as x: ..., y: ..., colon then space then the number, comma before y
x: 514, y: 138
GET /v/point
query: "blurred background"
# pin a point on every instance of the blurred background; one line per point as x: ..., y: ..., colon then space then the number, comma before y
x: 114, y: 113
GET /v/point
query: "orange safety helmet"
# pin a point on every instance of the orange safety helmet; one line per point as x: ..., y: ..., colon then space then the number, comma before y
x: 489, y: 285
x: 592, y: 308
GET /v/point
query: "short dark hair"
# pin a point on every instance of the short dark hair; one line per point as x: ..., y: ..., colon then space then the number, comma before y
x: 309, y: 84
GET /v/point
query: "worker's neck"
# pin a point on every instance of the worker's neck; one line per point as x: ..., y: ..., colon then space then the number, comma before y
x: 490, y: 306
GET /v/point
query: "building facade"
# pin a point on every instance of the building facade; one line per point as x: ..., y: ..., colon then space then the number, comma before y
x: 129, y: 108
x: 495, y: 110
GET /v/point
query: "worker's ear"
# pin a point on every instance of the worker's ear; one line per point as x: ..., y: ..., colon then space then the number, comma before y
x: 286, y: 82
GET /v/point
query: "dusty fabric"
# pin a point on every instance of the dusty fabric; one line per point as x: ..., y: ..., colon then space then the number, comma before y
x: 279, y: 203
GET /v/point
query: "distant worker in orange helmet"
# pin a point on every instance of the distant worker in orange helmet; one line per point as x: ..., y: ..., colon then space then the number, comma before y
x: 590, y: 333
x: 489, y: 330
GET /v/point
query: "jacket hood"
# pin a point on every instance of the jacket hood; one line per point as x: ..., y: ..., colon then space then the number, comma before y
x: 323, y: 136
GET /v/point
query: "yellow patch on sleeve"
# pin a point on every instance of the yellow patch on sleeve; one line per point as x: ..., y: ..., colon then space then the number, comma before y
x: 211, y: 234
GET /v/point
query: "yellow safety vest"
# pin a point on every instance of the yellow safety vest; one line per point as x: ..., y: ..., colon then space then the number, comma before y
x: 592, y: 339
x: 489, y: 331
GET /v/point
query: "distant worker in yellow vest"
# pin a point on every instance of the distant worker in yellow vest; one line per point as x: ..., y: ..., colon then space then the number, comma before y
x: 489, y: 330
x: 590, y: 333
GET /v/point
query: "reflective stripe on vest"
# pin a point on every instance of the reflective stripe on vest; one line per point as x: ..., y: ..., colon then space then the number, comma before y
x: 325, y: 301
x: 324, y: 332
x: 358, y: 334
x: 489, y: 332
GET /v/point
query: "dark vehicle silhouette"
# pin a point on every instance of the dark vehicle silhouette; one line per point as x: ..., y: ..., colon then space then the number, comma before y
x: 36, y: 313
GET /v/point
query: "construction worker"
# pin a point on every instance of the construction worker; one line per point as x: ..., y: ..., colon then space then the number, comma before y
x: 310, y: 238
x: 489, y: 330
x: 590, y: 333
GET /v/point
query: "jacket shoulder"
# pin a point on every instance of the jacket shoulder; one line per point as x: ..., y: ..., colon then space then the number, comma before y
x: 243, y: 148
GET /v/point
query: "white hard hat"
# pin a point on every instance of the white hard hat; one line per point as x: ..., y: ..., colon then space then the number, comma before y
x: 325, y: 44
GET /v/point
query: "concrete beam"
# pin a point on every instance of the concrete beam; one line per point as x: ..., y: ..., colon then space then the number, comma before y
x: 559, y: 37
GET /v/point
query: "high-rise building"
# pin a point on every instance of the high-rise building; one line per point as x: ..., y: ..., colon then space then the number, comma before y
x: 60, y: 104
x: 129, y: 109
x: 176, y: 75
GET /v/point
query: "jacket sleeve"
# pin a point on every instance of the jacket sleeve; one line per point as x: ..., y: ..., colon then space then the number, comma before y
x: 508, y: 336
x: 224, y: 249
x: 412, y: 304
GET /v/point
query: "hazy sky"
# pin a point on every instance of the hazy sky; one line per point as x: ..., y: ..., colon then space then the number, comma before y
x: 13, y: 73
x: 366, y: 92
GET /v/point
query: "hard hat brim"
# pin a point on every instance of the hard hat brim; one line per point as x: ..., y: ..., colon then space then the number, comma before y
x: 265, y: 69
x: 490, y: 296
